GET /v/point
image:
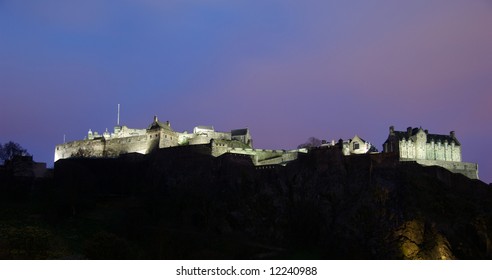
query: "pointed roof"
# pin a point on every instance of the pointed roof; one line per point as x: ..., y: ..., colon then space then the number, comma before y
x: 156, y: 124
x: 359, y: 138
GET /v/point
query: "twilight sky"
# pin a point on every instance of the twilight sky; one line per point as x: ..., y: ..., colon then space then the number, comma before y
x: 286, y: 69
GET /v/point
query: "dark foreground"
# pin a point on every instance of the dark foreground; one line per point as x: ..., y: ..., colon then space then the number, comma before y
x: 182, y: 204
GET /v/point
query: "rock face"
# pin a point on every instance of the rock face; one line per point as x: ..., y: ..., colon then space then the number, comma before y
x: 181, y: 203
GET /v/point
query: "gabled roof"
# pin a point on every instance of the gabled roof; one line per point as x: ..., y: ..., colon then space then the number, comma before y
x: 359, y: 138
x: 156, y: 124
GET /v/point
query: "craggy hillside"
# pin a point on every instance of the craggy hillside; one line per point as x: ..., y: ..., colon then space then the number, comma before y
x: 180, y: 203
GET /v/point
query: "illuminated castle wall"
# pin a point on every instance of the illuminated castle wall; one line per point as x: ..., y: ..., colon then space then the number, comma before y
x: 158, y: 135
x: 416, y: 144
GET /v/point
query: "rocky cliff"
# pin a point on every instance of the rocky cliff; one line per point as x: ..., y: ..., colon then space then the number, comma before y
x: 181, y: 203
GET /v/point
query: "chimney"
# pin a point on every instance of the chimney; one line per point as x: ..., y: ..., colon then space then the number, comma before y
x: 392, y: 130
x: 452, y: 134
x: 340, y: 143
x: 409, y: 131
x: 155, y: 118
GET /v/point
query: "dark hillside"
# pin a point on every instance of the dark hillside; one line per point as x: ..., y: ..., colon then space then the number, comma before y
x: 180, y: 203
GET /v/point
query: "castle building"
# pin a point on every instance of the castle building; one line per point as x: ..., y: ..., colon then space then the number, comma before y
x: 416, y: 144
x: 357, y: 146
x: 354, y: 146
x: 160, y: 135
x: 242, y: 135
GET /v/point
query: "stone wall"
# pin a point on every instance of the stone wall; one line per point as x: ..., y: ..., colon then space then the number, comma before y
x: 468, y: 169
x: 219, y: 147
x: 158, y: 135
x: 266, y: 157
x: 111, y: 147
x: 183, y: 138
x: 197, y: 139
x: 136, y: 144
x: 83, y: 148
x: 433, y: 151
x: 167, y: 139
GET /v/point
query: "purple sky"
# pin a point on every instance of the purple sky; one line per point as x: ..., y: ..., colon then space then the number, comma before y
x: 286, y: 69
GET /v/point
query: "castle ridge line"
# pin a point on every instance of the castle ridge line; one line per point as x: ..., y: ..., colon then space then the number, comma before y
x: 414, y: 144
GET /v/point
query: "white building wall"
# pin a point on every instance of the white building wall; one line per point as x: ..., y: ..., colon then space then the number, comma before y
x: 429, y: 151
x: 456, y: 152
x: 403, y: 149
x: 363, y: 147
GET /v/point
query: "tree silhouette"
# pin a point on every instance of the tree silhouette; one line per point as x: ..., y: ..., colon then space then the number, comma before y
x: 10, y: 150
x: 312, y: 142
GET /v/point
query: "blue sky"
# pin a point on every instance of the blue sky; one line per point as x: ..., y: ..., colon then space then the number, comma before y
x: 288, y: 70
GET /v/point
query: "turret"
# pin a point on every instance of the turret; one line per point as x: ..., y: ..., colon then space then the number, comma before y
x: 106, y: 134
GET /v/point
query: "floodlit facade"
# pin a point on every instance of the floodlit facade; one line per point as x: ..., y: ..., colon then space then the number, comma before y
x: 417, y: 144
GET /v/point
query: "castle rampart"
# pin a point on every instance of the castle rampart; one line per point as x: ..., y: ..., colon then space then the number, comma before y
x: 160, y: 135
x: 468, y: 169
x: 415, y: 144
